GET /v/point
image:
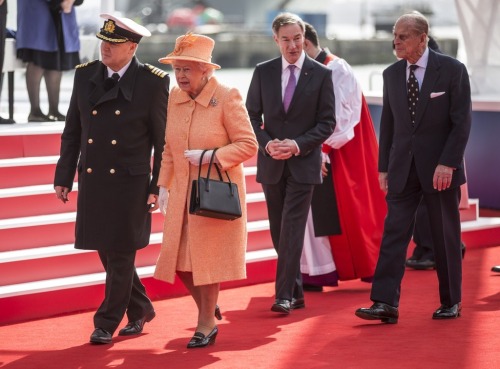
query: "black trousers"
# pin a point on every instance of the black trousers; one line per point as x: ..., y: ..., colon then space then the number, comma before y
x: 288, y: 204
x: 124, y: 292
x: 444, y: 220
x: 424, y: 249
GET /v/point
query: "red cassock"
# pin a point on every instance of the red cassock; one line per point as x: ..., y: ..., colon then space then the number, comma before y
x: 360, y: 201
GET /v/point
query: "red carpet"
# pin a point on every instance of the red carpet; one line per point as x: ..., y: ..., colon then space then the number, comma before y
x: 324, y: 335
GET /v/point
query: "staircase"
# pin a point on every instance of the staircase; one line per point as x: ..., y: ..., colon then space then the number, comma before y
x: 42, y: 275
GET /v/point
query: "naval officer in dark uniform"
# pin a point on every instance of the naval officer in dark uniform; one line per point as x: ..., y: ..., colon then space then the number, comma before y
x: 116, y: 117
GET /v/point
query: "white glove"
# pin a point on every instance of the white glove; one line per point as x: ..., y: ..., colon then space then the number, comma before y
x: 194, y: 156
x: 325, y: 158
x: 163, y: 200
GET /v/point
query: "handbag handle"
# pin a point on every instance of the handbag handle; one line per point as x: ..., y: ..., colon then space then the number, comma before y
x: 207, y: 184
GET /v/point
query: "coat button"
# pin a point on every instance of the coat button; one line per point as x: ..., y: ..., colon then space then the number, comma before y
x: 117, y: 112
x: 112, y: 171
x: 89, y: 170
x: 113, y: 142
x: 90, y: 141
x: 94, y: 112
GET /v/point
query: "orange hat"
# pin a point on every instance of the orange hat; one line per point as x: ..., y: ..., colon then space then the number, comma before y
x: 192, y: 47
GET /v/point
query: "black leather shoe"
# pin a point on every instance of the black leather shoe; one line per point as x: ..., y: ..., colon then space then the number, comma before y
x: 281, y: 306
x: 57, y: 117
x: 39, y: 118
x: 379, y: 311
x: 136, y: 326
x: 200, y: 340
x: 100, y: 336
x: 312, y: 288
x: 448, y: 312
x: 298, y: 303
x: 7, y: 121
x: 421, y: 264
x: 218, y: 315
x: 496, y: 269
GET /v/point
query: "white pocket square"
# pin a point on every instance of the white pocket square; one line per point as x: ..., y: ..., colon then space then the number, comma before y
x: 436, y: 94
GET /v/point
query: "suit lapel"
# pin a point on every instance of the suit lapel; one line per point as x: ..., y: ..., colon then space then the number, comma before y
x: 402, y: 92
x: 430, y: 78
x: 99, y: 95
x: 304, y: 78
x: 274, y: 82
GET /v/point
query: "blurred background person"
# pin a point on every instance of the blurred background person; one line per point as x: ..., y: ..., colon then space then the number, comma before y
x: 345, y: 223
x: 47, y: 40
x: 3, y: 32
x: 116, y: 118
x: 202, y: 114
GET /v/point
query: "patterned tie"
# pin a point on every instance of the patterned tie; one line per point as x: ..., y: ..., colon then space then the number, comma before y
x: 290, y: 88
x: 412, y: 93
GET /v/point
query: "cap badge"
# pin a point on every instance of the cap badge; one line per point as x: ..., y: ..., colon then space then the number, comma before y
x: 109, y: 26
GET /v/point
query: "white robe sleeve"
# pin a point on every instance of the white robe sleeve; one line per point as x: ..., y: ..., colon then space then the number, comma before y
x: 347, y: 103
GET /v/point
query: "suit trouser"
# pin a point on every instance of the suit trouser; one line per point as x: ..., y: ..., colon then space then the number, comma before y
x: 422, y: 234
x: 444, y: 220
x: 124, y: 291
x: 288, y: 204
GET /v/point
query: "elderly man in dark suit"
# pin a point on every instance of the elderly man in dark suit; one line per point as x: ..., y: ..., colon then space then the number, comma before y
x: 116, y: 117
x: 292, y: 107
x: 425, y: 125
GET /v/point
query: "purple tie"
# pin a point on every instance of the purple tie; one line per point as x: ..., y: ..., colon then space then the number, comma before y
x: 290, y: 88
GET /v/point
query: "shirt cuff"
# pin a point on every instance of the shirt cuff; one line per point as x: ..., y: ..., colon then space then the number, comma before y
x: 298, y: 148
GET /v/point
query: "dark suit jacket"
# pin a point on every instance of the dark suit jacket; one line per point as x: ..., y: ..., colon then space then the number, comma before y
x: 442, y: 124
x: 309, y: 121
x: 108, y: 138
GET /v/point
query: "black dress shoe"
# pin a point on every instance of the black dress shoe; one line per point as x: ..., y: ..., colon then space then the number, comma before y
x: 282, y: 306
x: 379, y: 311
x: 448, y: 312
x: 38, y: 118
x: 7, y: 121
x: 218, y: 315
x: 100, y: 336
x: 312, y: 288
x: 57, y: 117
x: 298, y: 303
x: 200, y: 340
x: 496, y: 269
x: 421, y: 264
x: 135, y: 327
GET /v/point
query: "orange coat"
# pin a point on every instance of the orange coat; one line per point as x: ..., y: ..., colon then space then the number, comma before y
x: 216, y: 118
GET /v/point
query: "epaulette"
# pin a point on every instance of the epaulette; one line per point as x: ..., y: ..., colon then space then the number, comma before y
x: 156, y: 71
x: 86, y: 64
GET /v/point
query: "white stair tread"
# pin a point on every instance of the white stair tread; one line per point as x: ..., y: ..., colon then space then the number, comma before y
x: 30, y: 190
x: 33, y: 160
x: 32, y: 129
x: 98, y: 278
x: 68, y: 249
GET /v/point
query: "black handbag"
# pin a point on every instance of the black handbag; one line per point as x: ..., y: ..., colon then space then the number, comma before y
x: 212, y: 198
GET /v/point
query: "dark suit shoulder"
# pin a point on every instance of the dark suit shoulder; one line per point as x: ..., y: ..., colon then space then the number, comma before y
x: 155, y: 71
x: 84, y: 65
x: 270, y: 63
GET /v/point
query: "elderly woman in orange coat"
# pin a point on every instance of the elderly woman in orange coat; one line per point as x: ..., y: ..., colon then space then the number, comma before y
x: 202, y: 114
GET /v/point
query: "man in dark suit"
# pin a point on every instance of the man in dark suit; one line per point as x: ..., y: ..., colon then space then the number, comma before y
x: 424, y: 129
x: 291, y: 106
x: 117, y: 115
